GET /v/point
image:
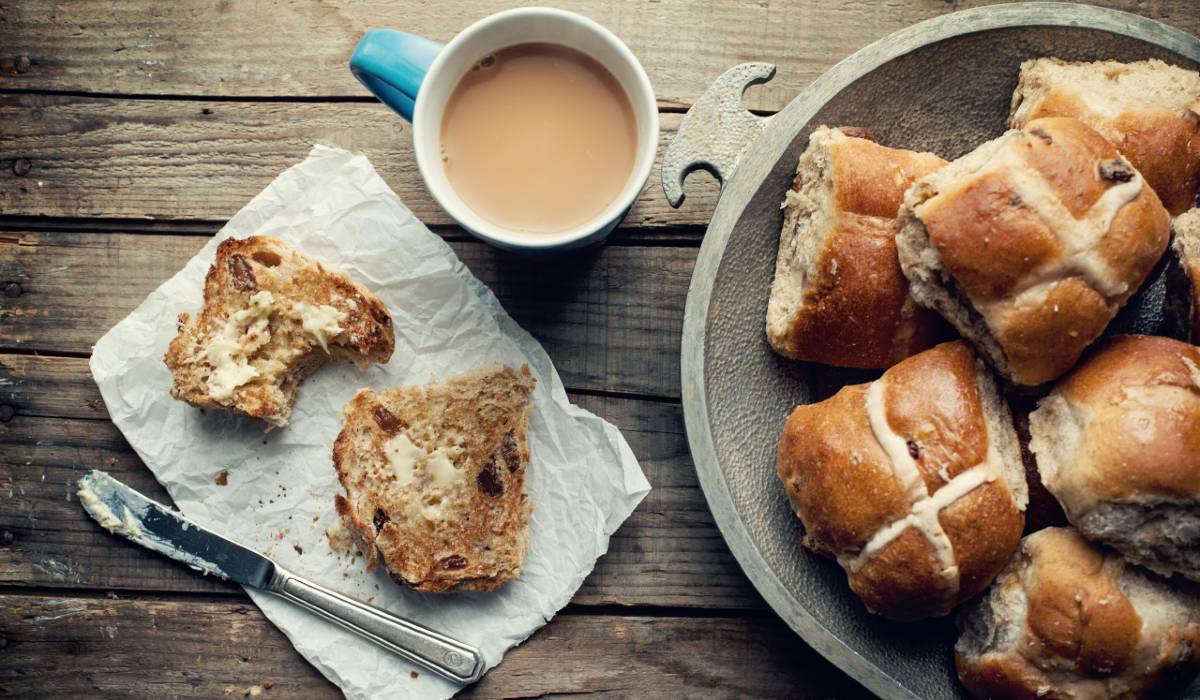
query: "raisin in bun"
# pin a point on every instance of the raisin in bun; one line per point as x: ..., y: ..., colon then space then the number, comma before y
x: 1031, y: 243
x: 1117, y: 442
x: 912, y: 482
x: 1068, y: 620
x: 839, y: 296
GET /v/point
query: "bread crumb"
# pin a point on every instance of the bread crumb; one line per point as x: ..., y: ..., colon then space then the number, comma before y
x: 253, y: 691
x: 298, y: 548
x: 339, y: 539
x: 222, y: 478
x: 268, y: 685
x: 112, y: 461
x: 414, y: 674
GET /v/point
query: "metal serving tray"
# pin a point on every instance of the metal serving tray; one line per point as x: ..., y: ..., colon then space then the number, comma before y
x: 943, y: 85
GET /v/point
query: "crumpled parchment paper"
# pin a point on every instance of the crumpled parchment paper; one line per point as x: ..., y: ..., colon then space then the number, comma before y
x: 583, y: 480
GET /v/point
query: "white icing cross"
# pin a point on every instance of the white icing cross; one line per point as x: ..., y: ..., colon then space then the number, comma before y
x: 1079, y: 237
x: 925, y: 509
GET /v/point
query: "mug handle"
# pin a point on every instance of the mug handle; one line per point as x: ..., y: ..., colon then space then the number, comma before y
x: 392, y: 64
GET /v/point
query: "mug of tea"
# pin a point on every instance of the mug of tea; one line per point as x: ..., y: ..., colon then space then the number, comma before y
x: 535, y: 128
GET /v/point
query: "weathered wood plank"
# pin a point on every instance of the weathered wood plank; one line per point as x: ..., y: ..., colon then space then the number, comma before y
x: 48, y: 386
x: 668, y: 553
x: 610, y: 318
x: 218, y: 47
x: 77, y: 647
x: 180, y: 159
x: 68, y: 647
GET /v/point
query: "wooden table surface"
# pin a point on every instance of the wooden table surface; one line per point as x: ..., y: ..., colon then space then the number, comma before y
x: 130, y: 131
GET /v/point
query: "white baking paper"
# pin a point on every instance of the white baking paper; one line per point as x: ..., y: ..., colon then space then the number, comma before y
x: 583, y: 479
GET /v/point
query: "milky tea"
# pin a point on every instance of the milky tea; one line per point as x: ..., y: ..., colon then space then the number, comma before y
x: 538, y: 138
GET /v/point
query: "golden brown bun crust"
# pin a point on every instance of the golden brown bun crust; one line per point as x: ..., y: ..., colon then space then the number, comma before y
x: 1162, y: 141
x: 1163, y: 145
x: 845, y: 488
x: 870, y: 179
x: 1065, y: 623
x: 1141, y: 438
x: 1002, y: 252
x: 246, y: 266
x: 857, y: 312
x: 479, y: 539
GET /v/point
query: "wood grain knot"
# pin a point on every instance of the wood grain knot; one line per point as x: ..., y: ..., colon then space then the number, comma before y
x: 6, y: 412
x: 22, y: 64
x: 21, y: 167
x: 12, y: 290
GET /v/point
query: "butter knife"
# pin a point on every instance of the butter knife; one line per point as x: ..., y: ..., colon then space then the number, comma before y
x: 123, y: 511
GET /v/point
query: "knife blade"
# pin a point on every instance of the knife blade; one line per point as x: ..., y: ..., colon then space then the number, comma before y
x: 123, y: 511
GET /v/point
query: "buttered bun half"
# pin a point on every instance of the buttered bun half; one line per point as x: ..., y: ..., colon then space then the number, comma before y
x: 913, y: 482
x: 1069, y: 620
x: 1117, y: 442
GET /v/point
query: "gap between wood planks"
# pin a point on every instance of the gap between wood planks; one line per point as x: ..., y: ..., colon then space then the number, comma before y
x: 683, y: 236
x: 67, y: 354
x: 235, y: 592
x: 664, y: 106
x: 25, y: 352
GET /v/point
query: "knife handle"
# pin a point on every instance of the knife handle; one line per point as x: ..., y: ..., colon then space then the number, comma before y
x: 447, y: 657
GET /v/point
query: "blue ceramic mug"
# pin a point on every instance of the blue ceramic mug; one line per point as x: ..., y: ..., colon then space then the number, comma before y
x: 415, y: 77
